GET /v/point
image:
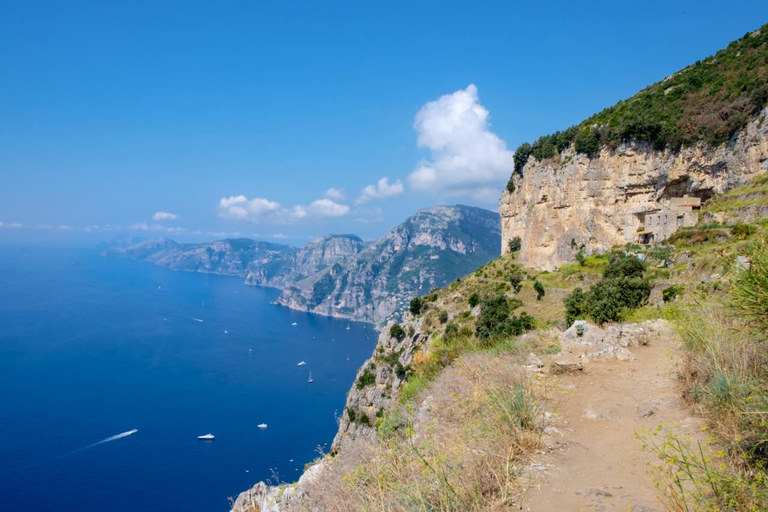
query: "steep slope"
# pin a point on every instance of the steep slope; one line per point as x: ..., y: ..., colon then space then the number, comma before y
x: 697, y: 133
x: 232, y: 257
x: 427, y: 250
x: 318, y: 254
x: 416, y: 434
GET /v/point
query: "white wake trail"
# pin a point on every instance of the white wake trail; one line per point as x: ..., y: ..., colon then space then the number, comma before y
x: 111, y: 438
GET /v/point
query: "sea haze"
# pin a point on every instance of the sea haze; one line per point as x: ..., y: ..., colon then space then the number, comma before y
x: 93, y: 347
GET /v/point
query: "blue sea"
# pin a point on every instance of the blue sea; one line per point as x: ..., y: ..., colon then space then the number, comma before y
x: 92, y: 348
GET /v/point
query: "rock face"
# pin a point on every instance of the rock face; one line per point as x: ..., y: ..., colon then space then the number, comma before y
x: 563, y: 203
x: 426, y: 251
x: 318, y: 254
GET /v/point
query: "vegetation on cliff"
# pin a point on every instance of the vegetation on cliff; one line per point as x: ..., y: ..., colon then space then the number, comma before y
x: 708, y: 101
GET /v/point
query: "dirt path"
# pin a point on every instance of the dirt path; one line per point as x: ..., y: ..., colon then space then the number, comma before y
x: 594, y: 461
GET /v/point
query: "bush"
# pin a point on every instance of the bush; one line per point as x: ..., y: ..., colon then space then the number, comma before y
x: 516, y: 280
x: 416, y: 306
x: 366, y: 379
x: 515, y: 244
x: 495, y: 320
x: 474, y: 300
x: 575, y: 306
x: 669, y: 293
x: 622, y: 289
x: 451, y: 330
x: 609, y: 299
x: 540, y: 292
x: 580, y: 256
x: 396, y: 331
x: 443, y: 316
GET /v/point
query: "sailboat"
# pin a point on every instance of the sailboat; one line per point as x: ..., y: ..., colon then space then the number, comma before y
x: 310, y: 380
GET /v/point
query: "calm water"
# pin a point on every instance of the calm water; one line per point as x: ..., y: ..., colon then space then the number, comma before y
x: 92, y: 347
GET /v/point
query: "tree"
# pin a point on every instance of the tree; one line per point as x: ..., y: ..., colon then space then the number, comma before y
x: 575, y: 305
x: 474, y: 300
x: 540, y: 292
x: 515, y: 244
x: 516, y: 280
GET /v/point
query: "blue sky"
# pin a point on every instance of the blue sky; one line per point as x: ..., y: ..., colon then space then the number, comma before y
x: 238, y: 117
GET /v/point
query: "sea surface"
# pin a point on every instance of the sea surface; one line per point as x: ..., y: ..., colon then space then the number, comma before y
x: 92, y: 348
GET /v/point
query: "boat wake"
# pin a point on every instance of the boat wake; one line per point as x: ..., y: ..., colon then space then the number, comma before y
x: 107, y: 440
x: 197, y: 320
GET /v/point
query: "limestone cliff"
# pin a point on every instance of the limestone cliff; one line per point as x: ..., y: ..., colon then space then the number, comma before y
x: 572, y: 200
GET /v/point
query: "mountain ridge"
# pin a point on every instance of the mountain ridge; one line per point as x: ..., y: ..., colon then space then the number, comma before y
x: 340, y: 275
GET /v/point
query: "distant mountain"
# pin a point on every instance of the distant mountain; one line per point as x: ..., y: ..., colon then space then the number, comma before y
x: 317, y: 255
x: 233, y: 257
x: 340, y: 275
x: 428, y: 250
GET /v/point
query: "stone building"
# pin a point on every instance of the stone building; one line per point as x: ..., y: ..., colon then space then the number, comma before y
x: 658, y: 225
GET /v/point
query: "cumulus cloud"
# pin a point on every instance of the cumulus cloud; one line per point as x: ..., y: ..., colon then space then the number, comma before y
x: 12, y: 225
x: 383, y: 189
x: 242, y: 208
x: 465, y: 156
x: 336, y: 194
x: 165, y: 216
x: 263, y: 210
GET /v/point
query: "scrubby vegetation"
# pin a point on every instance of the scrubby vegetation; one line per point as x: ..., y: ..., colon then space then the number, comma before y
x: 708, y: 101
x: 622, y: 289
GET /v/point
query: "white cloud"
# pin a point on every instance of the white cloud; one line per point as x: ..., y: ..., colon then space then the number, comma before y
x: 263, y: 210
x: 12, y: 225
x: 381, y: 190
x: 165, y: 216
x: 466, y: 158
x: 327, y: 208
x: 242, y: 208
x: 336, y: 194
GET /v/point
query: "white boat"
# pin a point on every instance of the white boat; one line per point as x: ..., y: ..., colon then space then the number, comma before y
x: 226, y: 331
x: 294, y: 324
x: 302, y: 363
x: 347, y: 326
x: 310, y: 380
x: 262, y: 425
x: 207, y: 437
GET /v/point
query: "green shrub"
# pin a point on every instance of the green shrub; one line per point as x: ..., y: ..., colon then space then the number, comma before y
x: 474, y: 300
x: 580, y: 256
x: 396, y: 331
x: 366, y: 379
x: 442, y: 316
x: 495, y: 321
x: 451, y: 330
x: 540, y: 292
x: 516, y: 279
x: 515, y: 244
x: 352, y: 414
x: 669, y: 293
x: 416, y: 306
x: 622, y: 289
x: 575, y: 306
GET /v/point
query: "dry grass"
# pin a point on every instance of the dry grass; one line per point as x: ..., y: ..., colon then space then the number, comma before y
x: 459, y: 447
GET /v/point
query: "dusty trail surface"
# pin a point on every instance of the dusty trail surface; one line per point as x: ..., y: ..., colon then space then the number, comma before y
x: 594, y: 461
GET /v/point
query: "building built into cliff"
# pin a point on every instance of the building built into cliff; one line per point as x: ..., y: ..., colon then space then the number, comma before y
x: 658, y: 225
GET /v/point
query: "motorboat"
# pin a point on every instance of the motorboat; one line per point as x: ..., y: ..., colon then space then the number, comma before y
x: 262, y: 425
x: 302, y: 363
x: 207, y: 437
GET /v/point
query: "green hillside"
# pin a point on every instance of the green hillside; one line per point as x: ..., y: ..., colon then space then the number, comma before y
x: 708, y: 101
